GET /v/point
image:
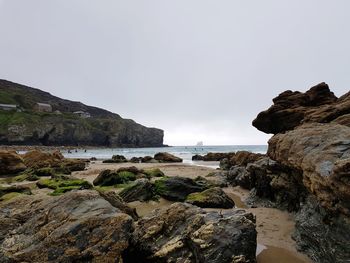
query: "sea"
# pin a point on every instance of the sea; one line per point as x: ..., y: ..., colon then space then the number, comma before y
x: 184, y: 152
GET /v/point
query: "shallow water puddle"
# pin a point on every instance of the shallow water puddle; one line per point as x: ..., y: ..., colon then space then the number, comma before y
x: 270, y: 254
x: 145, y: 208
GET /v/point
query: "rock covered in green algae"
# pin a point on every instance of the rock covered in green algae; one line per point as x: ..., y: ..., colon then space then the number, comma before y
x: 177, y: 188
x: 62, y: 185
x: 211, y: 198
x: 141, y: 190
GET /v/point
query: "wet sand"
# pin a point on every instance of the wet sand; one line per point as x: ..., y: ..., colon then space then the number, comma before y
x: 274, y: 226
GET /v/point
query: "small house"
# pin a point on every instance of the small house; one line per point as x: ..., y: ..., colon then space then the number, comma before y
x: 8, y: 107
x: 43, y: 107
x: 82, y: 114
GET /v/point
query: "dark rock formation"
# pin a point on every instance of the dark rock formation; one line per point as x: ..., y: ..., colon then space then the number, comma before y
x: 116, y: 201
x: 177, y: 188
x: 75, y: 227
x: 312, y: 144
x: 142, y: 190
x: 15, y: 189
x: 212, y: 156
x: 291, y: 109
x: 323, y: 238
x: 116, y: 159
x: 164, y: 157
x: 187, y: 232
x: 211, y: 198
x: 109, y: 177
x: 240, y: 158
x: 104, y: 128
x: 11, y: 163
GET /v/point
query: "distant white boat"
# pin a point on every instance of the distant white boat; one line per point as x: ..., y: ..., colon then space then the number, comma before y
x: 199, y: 144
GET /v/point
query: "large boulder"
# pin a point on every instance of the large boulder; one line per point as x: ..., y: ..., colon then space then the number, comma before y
x: 167, y: 158
x: 185, y: 233
x: 75, y: 227
x: 322, y: 153
x: 292, y: 109
x: 11, y: 163
x: 178, y: 188
x: 211, y: 198
x: 240, y: 158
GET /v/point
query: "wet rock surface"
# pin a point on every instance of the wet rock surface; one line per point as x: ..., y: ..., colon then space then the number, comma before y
x: 75, y: 227
x: 167, y: 158
x: 11, y: 163
x: 211, y: 198
x: 142, y: 190
x: 186, y: 232
x: 178, y: 188
x: 312, y: 144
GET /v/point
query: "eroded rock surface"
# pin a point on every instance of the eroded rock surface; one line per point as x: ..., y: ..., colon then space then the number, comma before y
x: 189, y: 234
x: 211, y: 198
x: 75, y: 227
x: 11, y: 163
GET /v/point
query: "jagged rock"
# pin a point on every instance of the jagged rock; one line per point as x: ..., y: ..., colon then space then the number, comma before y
x: 292, y: 109
x: 153, y: 172
x: 240, y: 158
x: 167, y: 158
x: 186, y: 232
x: 177, y: 188
x: 110, y: 177
x: 11, y: 163
x: 131, y: 169
x: 322, y: 153
x: 142, y: 190
x: 218, y: 178
x: 211, y: 198
x: 116, y: 201
x: 323, y: 238
x: 76, y: 227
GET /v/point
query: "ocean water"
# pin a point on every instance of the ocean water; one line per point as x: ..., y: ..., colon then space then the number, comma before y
x: 184, y: 152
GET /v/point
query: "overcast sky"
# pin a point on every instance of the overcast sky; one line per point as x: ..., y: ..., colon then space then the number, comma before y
x: 200, y: 70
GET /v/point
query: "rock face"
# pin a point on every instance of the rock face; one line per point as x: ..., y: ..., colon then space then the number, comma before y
x: 322, y: 152
x: 240, y: 158
x: 103, y: 128
x: 11, y: 163
x: 186, y: 232
x: 211, y: 198
x: 76, y: 227
x: 292, y: 109
x: 167, y: 158
x: 312, y: 141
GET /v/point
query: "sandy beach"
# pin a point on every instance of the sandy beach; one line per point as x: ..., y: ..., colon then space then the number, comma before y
x: 274, y: 226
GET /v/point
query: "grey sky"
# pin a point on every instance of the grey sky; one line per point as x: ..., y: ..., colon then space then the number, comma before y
x: 200, y: 70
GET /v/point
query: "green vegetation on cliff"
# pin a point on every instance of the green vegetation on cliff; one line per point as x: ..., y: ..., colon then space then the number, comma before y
x: 62, y: 126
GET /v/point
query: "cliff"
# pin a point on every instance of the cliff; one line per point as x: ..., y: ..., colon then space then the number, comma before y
x: 62, y: 124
